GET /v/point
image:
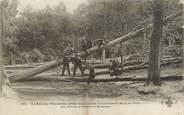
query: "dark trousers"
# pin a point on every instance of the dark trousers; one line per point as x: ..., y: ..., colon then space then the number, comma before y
x: 77, y: 64
x: 66, y: 65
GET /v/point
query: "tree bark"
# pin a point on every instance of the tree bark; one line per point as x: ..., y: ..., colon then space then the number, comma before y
x: 77, y: 79
x: 154, y: 59
x: 127, y: 79
x: 2, y: 81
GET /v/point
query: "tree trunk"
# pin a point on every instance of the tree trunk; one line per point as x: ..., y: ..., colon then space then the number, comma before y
x: 103, y: 54
x: 11, y: 58
x: 78, y: 79
x: 154, y: 60
x: 1, y: 52
x: 75, y: 42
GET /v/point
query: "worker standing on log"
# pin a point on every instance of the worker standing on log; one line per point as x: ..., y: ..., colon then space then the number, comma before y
x: 67, y: 51
x: 78, y: 64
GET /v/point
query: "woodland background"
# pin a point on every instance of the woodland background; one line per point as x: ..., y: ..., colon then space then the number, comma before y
x: 41, y: 35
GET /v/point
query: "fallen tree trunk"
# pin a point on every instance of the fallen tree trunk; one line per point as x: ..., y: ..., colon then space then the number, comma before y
x: 23, y: 66
x: 107, y: 65
x: 34, y: 71
x: 79, y: 79
x: 42, y: 68
x: 145, y: 65
x: 167, y: 78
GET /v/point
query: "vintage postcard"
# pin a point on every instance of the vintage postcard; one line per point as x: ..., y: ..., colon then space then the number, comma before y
x: 91, y: 57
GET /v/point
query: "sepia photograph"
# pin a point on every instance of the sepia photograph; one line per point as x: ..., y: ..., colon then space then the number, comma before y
x: 90, y: 57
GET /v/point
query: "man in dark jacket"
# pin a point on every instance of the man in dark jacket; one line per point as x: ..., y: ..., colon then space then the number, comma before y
x: 67, y: 51
x: 78, y: 64
x: 115, y: 67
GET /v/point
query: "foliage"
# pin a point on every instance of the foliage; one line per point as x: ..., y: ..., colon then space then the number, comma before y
x: 8, y: 13
x: 45, y: 32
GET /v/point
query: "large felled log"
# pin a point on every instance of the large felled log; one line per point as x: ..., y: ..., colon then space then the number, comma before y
x: 127, y: 79
x: 144, y: 65
x: 79, y: 79
x: 42, y: 68
x: 107, y: 65
x: 23, y: 66
x: 35, y: 71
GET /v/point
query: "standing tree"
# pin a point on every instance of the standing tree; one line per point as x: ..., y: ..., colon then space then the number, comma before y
x: 154, y: 59
x: 9, y: 41
x: 1, y: 37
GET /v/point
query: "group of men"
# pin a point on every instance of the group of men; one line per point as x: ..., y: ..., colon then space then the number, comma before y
x: 114, y: 68
x: 77, y: 61
x: 68, y: 58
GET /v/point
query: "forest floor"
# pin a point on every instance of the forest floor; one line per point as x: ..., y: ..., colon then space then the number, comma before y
x: 44, y: 90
